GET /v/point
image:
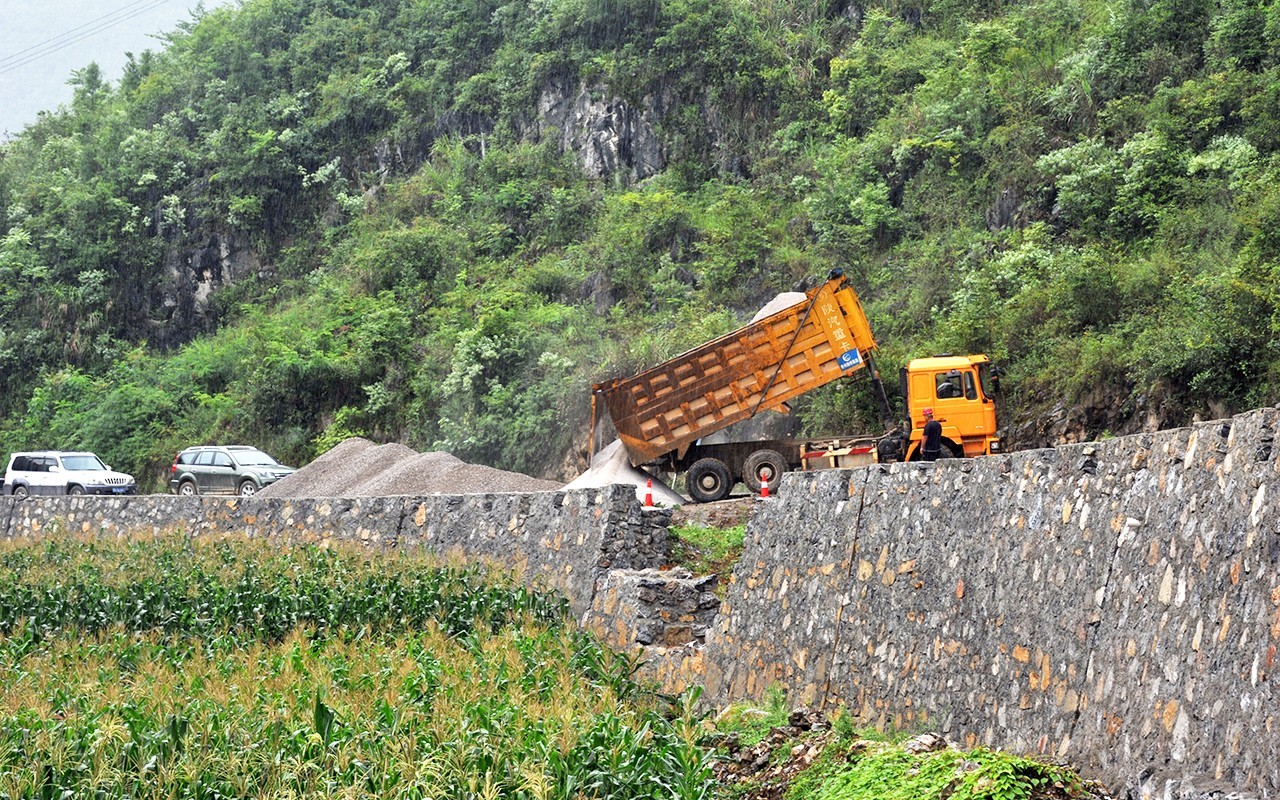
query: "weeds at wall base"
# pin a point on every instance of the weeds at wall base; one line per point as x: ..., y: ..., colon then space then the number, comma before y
x: 768, y: 752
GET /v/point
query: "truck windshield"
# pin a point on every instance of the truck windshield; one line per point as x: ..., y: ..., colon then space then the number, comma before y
x: 988, y: 381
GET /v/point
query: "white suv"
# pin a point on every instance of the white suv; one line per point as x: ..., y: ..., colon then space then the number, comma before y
x: 56, y: 472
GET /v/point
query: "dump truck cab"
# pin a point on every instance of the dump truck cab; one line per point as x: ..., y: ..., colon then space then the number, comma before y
x: 961, y: 391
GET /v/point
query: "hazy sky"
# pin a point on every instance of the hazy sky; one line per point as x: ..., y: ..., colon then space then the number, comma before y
x: 34, y: 68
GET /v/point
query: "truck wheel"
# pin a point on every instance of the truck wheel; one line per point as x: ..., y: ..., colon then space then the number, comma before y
x: 948, y: 451
x: 768, y: 464
x: 708, y: 480
x: 889, y: 450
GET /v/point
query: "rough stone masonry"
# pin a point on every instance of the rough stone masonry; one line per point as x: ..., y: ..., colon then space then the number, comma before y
x: 561, y: 541
x: 1116, y: 604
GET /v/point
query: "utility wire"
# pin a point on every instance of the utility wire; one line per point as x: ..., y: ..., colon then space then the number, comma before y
x: 68, y: 33
x: 71, y: 37
x: 77, y: 34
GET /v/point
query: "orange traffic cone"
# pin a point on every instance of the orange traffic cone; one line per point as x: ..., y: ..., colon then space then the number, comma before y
x: 764, y: 486
x: 648, y: 493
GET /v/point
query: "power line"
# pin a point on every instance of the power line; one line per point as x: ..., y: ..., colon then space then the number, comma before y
x: 68, y: 33
x: 77, y: 34
x: 71, y: 37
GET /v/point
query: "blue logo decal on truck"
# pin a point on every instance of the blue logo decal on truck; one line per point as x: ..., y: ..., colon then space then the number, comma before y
x: 849, y: 359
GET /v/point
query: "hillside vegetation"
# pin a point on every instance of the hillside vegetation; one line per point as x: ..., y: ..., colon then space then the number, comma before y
x: 1087, y: 191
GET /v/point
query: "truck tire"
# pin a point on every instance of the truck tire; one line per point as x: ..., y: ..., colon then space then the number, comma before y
x: 708, y: 480
x: 889, y: 450
x: 763, y: 464
x: 948, y: 451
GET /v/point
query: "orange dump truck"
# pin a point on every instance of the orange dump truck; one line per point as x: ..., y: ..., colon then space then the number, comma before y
x: 661, y: 414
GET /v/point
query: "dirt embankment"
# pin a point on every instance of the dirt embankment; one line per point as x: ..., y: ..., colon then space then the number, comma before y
x: 720, y: 514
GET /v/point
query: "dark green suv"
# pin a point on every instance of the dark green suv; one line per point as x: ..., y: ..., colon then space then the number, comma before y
x: 233, y: 469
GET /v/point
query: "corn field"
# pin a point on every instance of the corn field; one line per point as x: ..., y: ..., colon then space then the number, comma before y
x: 169, y: 668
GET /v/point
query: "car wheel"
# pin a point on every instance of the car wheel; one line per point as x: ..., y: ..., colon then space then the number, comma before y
x: 188, y: 489
x: 21, y: 491
x: 767, y: 464
x: 75, y: 491
x: 248, y: 489
x: 708, y: 480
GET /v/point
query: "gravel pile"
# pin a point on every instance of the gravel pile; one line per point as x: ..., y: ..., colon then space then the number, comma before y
x: 477, y: 479
x: 324, y: 471
x: 359, y: 468
x: 413, y: 469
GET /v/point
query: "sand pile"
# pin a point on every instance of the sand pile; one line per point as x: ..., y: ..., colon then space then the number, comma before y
x: 611, y: 465
x: 359, y: 468
x: 779, y: 302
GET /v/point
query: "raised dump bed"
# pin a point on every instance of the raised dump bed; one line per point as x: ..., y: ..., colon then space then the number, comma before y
x: 760, y: 366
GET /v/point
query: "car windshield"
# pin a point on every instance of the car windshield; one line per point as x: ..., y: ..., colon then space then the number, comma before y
x: 82, y: 463
x: 253, y: 458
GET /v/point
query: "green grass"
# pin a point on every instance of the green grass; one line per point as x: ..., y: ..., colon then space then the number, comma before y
x: 857, y: 763
x: 708, y: 551
x: 877, y: 771
x: 752, y: 723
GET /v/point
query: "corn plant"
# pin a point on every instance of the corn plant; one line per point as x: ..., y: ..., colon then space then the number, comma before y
x: 229, y: 669
x: 195, y: 588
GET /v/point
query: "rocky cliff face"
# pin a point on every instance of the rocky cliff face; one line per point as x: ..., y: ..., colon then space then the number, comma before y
x: 1046, y: 421
x: 608, y: 136
x: 183, y: 304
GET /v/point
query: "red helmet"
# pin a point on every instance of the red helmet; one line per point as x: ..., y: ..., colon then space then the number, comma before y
x: 928, y: 412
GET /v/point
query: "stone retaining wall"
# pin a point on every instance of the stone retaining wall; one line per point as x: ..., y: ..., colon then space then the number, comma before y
x: 1116, y: 604
x: 654, y: 608
x: 564, y: 541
